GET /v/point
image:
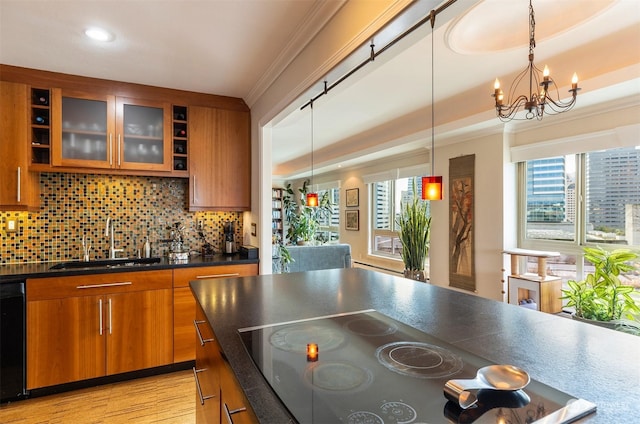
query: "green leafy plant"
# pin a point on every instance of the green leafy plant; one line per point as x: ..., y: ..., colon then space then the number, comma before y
x: 601, y: 296
x: 303, y: 221
x: 283, y: 259
x: 414, y: 231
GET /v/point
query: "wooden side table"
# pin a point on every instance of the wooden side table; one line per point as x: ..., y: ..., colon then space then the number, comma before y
x: 543, y: 290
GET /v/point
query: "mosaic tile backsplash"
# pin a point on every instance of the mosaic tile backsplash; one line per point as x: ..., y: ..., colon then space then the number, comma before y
x: 77, y: 205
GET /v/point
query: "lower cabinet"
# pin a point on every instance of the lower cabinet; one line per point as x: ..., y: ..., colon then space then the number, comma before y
x: 89, y: 326
x: 219, y: 397
x: 185, y: 305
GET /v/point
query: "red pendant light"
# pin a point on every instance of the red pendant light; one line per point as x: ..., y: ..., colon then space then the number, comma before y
x: 312, y: 198
x: 432, y: 186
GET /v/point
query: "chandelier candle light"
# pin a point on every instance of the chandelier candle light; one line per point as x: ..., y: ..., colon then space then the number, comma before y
x: 536, y: 104
x: 432, y: 186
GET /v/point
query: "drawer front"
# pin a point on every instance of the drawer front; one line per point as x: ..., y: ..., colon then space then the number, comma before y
x: 97, y: 284
x: 182, y: 276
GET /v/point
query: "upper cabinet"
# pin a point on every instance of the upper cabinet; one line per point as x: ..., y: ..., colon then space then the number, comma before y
x: 54, y: 122
x: 19, y: 189
x: 108, y: 132
x: 219, y: 159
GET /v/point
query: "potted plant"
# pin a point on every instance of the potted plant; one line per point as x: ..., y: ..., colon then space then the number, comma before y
x: 601, y: 297
x: 302, y: 220
x: 414, y: 230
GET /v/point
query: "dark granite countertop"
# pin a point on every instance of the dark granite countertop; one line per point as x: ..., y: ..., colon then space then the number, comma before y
x: 583, y: 360
x: 32, y: 270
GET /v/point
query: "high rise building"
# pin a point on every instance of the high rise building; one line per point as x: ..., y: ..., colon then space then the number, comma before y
x: 613, y: 182
x: 546, y: 194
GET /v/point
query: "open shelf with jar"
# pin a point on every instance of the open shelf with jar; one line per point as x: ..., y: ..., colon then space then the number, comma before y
x: 40, y: 125
x: 180, y: 139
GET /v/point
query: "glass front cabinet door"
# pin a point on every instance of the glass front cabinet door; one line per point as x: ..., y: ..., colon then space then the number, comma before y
x: 82, y: 130
x: 108, y: 132
x: 144, y: 135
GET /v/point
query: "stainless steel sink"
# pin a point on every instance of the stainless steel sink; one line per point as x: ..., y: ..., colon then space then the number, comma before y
x: 105, y: 263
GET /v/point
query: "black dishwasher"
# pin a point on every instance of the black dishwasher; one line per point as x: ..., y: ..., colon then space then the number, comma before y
x: 12, y: 340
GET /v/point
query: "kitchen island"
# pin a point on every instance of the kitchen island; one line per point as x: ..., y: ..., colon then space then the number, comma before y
x: 583, y: 360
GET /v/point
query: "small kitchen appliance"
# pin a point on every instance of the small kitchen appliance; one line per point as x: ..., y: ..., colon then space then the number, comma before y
x: 369, y: 368
x: 229, y: 238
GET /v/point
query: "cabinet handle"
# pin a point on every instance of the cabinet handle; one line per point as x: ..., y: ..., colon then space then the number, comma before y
x: 18, y: 193
x: 100, y: 314
x: 202, y: 341
x: 195, y: 375
x: 234, y: 274
x: 97, y: 286
x: 119, y: 136
x: 228, y: 413
x: 109, y: 315
x: 110, y: 149
x: 194, y: 189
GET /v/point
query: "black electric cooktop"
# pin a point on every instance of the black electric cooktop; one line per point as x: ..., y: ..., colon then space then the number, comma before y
x: 372, y: 369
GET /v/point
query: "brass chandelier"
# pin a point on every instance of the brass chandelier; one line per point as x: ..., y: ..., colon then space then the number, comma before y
x: 537, y: 104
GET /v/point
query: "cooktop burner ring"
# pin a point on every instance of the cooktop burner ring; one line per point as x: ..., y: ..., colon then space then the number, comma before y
x: 417, y: 359
x: 399, y: 412
x: 397, y: 355
x: 338, y: 377
x: 294, y: 338
x: 364, y: 417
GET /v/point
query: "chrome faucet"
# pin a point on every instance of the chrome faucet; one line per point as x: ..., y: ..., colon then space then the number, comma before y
x: 109, y: 232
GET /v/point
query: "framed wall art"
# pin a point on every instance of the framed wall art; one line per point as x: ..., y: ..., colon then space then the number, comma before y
x: 462, y: 273
x: 352, y: 220
x: 352, y: 196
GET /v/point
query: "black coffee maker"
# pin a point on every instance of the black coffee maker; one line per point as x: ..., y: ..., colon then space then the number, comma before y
x: 229, y: 238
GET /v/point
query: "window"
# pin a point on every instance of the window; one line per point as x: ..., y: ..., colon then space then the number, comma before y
x: 550, y: 200
x: 330, y: 223
x: 555, y: 218
x: 387, y: 199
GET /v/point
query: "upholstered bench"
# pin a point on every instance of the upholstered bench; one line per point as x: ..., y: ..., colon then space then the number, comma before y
x: 326, y: 256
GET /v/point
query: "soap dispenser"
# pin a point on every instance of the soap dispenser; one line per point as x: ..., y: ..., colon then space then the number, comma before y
x: 147, y: 248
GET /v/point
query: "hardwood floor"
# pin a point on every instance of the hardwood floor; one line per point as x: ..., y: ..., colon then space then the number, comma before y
x: 166, y: 399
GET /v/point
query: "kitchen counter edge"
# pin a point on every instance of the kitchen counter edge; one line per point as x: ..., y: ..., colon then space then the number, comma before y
x: 12, y: 272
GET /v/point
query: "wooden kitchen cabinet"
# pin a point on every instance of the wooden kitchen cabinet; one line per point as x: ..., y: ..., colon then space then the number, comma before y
x: 205, y: 372
x: 219, y: 397
x: 185, y: 305
x: 101, y: 131
x: 87, y: 326
x: 20, y: 188
x: 219, y: 159
x: 234, y: 405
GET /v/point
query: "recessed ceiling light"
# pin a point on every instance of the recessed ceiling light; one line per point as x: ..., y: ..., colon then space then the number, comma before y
x: 99, y: 34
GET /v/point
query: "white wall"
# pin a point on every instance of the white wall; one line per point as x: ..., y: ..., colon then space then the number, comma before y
x: 488, y: 214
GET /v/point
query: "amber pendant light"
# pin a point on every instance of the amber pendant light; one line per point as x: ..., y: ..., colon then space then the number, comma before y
x: 432, y: 186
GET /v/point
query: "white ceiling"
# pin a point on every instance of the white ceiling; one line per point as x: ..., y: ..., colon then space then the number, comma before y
x: 237, y: 48
x: 225, y: 47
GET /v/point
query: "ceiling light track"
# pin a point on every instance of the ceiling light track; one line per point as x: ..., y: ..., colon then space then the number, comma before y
x: 373, y: 54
